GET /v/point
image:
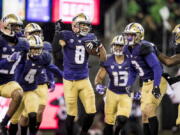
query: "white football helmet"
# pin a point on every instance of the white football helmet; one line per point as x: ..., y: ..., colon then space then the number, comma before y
x: 81, y: 24
x: 117, y: 45
x: 133, y: 33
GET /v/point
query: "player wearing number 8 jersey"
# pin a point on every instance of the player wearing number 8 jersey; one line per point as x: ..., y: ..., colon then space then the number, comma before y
x: 76, y: 81
x: 117, y: 102
x: 12, y: 50
x: 148, y: 67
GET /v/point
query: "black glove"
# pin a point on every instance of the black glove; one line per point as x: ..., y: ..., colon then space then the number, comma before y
x: 58, y: 25
x: 156, y: 92
x: 171, y: 80
x: 94, y: 43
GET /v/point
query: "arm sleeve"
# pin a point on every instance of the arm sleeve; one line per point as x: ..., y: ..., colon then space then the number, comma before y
x: 50, y: 76
x: 57, y: 51
x: 55, y: 70
x: 154, y: 63
x: 132, y: 76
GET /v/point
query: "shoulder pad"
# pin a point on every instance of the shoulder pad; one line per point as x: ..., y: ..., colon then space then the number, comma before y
x: 108, y: 61
x: 47, y: 46
x: 46, y: 58
x: 146, y: 48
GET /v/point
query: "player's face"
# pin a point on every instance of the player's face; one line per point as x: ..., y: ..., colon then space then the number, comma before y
x: 118, y: 49
x: 84, y: 27
x: 16, y: 27
x: 35, y: 51
x: 37, y: 33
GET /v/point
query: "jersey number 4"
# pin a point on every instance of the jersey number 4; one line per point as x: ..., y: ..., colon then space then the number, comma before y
x: 30, y: 76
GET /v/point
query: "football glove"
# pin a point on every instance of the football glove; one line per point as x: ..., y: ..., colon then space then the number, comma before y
x: 100, y: 89
x: 58, y: 25
x: 13, y: 57
x: 137, y: 95
x: 156, y: 92
x: 92, y: 43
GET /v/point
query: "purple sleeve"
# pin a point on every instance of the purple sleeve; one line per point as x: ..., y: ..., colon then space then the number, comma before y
x: 55, y: 70
x: 132, y: 76
x: 154, y: 63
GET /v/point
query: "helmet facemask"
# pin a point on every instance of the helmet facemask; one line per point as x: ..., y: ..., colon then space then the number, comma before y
x: 35, y: 51
x: 117, y: 49
x: 36, y: 46
x: 37, y: 33
x: 11, y: 24
x: 117, y: 45
x: 7, y: 30
x: 84, y: 28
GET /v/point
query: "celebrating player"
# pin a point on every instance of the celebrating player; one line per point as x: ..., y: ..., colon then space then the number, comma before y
x: 36, y: 61
x: 148, y: 67
x: 76, y: 78
x: 12, y: 50
x: 174, y: 60
x: 117, y: 103
x: 44, y: 79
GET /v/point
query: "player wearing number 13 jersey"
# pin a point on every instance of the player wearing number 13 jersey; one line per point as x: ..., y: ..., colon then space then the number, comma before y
x: 147, y: 66
x: 12, y: 51
x: 76, y: 75
x: 117, y: 102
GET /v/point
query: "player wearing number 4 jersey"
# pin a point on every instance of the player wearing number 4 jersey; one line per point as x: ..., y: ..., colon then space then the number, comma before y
x: 12, y: 50
x: 117, y: 102
x: 76, y: 78
x: 148, y: 67
x: 36, y: 61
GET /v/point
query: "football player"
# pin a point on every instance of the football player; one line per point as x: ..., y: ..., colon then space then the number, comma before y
x: 36, y: 61
x: 117, y: 102
x: 12, y: 50
x: 76, y: 79
x: 45, y: 79
x: 174, y: 60
x: 143, y: 58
